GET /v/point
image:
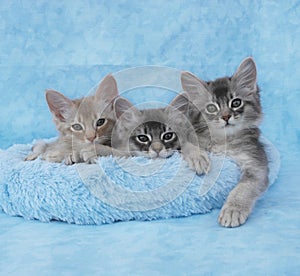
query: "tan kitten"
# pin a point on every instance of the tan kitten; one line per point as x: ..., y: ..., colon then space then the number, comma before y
x: 82, y: 123
x: 153, y: 133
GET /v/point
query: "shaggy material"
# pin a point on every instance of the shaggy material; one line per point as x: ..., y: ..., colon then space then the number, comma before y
x: 114, y: 189
x: 70, y: 46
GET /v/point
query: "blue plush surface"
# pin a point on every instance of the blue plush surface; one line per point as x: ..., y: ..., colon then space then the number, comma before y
x: 70, y: 45
x: 114, y: 189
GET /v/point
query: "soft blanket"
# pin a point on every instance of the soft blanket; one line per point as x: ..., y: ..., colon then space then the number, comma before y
x: 115, y: 189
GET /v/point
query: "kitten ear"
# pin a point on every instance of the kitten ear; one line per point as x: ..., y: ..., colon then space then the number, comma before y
x: 125, y: 109
x: 245, y: 75
x: 107, y: 89
x: 195, y: 87
x: 180, y: 103
x: 59, y: 104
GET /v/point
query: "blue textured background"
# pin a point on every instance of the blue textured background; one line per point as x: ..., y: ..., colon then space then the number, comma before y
x: 71, y: 45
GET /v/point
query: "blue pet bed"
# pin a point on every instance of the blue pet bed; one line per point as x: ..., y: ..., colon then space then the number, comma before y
x: 114, y: 189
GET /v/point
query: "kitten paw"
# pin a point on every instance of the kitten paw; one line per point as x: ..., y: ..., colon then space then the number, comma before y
x: 73, y: 158
x: 38, y: 148
x: 89, y: 157
x: 69, y: 159
x: 53, y: 156
x: 198, y: 161
x: 31, y: 157
x: 233, y: 216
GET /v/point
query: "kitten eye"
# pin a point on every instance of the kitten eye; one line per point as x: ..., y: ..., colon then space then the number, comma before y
x: 100, y: 122
x: 168, y: 136
x: 77, y: 127
x: 143, y: 138
x: 235, y: 103
x: 212, y: 108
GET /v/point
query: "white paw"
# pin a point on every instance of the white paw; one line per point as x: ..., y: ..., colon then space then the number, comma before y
x: 233, y: 216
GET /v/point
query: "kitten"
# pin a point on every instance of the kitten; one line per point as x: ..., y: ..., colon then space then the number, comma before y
x: 157, y: 133
x: 231, y: 108
x: 81, y: 123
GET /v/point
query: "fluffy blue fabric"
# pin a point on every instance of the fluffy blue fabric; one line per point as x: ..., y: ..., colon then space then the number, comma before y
x: 114, y: 189
x: 70, y: 46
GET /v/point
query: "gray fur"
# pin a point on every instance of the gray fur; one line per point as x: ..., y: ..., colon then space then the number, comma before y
x: 233, y: 132
x: 155, y: 123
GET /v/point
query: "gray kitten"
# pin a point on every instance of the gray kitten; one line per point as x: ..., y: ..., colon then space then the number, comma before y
x: 82, y: 123
x: 230, y: 112
x: 157, y: 133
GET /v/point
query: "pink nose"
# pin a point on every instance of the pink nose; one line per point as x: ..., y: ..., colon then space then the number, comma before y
x: 91, y: 139
x: 226, y: 117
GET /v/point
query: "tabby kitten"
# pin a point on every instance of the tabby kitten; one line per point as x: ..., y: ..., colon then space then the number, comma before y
x: 82, y: 123
x: 230, y: 107
x: 157, y: 133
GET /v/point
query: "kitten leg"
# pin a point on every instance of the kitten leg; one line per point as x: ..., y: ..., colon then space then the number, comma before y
x: 242, y: 198
x: 89, y: 157
x: 54, y: 156
x: 196, y: 158
x: 90, y: 154
x: 49, y: 152
x: 38, y: 148
x: 54, y: 152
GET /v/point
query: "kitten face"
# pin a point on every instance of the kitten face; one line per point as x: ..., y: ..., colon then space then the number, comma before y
x: 90, y: 121
x: 154, y: 139
x: 227, y: 104
x: 229, y: 110
x: 87, y: 120
x: 150, y: 132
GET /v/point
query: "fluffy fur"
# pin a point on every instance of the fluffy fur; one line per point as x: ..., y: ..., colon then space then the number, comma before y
x: 158, y: 132
x: 114, y: 190
x: 82, y: 123
x: 229, y: 112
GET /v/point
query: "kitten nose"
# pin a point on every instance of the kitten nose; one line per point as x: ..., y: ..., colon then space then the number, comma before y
x: 226, y: 117
x: 91, y: 138
x: 157, y: 146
